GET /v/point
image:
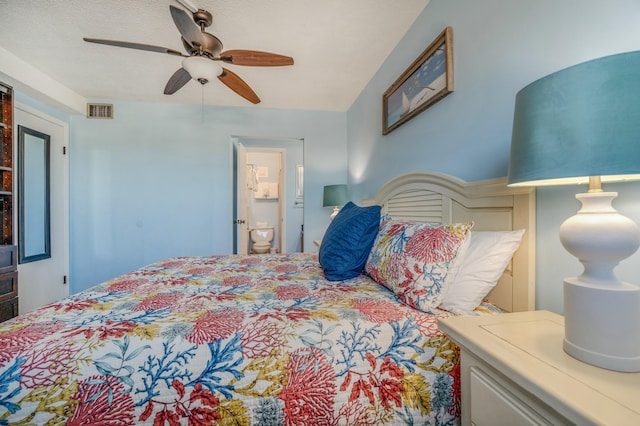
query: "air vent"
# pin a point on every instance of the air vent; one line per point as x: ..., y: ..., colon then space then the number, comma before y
x: 100, y: 111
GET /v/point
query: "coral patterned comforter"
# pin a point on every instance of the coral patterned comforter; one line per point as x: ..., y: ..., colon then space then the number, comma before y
x: 228, y: 340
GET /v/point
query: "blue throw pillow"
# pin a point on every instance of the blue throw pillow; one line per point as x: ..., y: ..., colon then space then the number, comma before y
x: 348, y: 240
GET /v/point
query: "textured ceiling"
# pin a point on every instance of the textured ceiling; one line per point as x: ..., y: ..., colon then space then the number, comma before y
x: 337, y: 45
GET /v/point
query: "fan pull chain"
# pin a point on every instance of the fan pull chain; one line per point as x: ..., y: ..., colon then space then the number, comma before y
x: 202, y: 85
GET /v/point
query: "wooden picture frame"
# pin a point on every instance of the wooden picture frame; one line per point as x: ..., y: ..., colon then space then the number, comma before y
x: 425, y: 82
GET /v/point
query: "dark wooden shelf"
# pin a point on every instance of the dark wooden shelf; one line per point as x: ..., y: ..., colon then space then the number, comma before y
x: 8, y: 251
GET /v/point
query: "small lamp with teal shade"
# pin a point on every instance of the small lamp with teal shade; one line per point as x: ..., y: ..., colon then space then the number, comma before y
x: 335, y: 196
x: 581, y: 125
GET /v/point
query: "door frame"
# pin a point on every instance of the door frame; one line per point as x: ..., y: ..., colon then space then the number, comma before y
x: 284, y: 172
x: 240, y: 194
x: 281, y: 233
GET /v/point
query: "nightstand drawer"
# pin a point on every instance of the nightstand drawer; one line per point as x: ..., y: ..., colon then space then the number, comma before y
x: 495, y: 402
x: 8, y: 309
x: 8, y: 258
x: 8, y: 286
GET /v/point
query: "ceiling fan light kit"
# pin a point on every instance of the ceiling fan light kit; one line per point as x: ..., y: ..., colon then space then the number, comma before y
x: 204, y: 58
x: 202, y: 69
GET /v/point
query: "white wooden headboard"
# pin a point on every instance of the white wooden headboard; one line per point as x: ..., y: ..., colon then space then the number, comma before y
x: 490, y: 204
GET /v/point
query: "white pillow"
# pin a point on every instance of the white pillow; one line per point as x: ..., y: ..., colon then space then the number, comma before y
x: 482, y: 265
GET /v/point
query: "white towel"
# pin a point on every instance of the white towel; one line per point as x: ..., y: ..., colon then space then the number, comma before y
x: 267, y: 190
x: 252, y: 178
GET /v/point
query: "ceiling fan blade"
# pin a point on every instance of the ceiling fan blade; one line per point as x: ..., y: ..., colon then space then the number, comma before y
x: 189, y: 30
x: 177, y: 80
x: 235, y: 83
x: 255, y: 58
x: 138, y: 46
x: 191, y: 8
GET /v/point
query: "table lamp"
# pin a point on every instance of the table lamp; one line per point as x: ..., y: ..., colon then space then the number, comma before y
x: 335, y: 196
x: 582, y: 125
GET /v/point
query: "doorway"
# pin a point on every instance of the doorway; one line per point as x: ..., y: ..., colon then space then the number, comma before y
x: 45, y: 280
x: 267, y: 192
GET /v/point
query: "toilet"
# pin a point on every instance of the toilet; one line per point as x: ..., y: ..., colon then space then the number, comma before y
x: 261, y: 237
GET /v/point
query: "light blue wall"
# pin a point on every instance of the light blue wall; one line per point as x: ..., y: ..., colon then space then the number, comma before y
x: 499, y: 47
x: 155, y: 182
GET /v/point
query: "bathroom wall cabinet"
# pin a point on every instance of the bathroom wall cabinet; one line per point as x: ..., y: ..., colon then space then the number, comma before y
x: 8, y: 251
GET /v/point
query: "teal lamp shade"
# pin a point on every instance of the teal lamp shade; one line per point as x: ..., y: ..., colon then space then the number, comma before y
x: 335, y: 196
x: 578, y: 122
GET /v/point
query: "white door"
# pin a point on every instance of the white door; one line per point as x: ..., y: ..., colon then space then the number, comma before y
x: 45, y: 281
x: 241, y: 220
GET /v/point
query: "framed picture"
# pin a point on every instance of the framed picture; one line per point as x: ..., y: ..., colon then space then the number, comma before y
x: 425, y: 82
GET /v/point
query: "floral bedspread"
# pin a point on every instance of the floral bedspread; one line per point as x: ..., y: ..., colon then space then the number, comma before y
x: 228, y: 340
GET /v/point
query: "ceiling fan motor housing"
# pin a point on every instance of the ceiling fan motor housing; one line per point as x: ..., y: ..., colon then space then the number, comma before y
x: 202, y: 18
x: 212, y: 46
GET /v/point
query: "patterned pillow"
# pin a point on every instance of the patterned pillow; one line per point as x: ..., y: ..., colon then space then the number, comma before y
x: 412, y: 259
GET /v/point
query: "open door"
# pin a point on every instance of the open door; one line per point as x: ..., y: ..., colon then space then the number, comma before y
x: 288, y: 220
x: 241, y: 219
x: 44, y: 265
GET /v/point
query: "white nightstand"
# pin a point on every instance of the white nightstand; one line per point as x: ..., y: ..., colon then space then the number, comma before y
x: 515, y: 372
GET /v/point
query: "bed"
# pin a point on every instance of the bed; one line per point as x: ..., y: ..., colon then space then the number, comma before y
x: 260, y: 339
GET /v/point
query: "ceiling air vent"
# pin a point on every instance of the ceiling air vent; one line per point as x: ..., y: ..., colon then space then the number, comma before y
x: 100, y: 111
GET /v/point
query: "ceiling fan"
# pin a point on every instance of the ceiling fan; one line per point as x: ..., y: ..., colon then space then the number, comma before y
x: 205, y: 56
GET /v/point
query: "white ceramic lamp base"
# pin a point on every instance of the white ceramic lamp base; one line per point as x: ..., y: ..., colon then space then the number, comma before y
x: 602, y: 313
x: 336, y: 210
x: 602, y: 325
